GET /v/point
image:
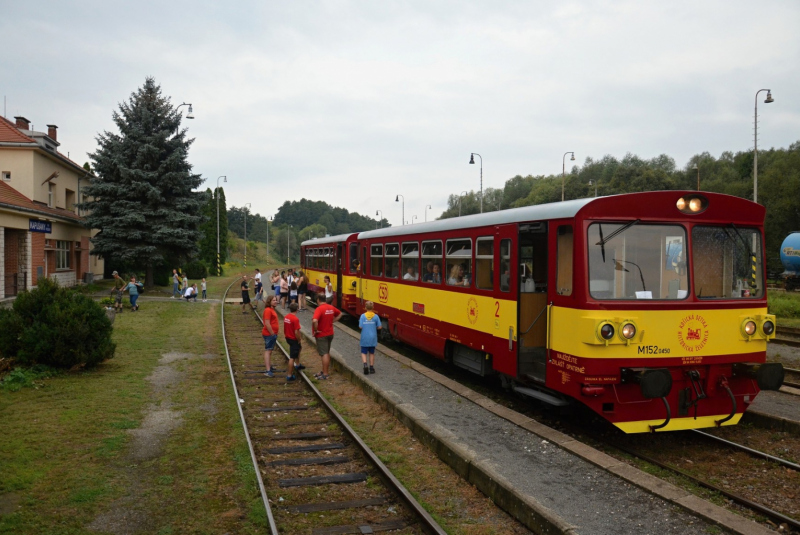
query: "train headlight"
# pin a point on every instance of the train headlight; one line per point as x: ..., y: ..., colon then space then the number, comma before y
x: 605, y: 331
x: 628, y: 331
x: 768, y: 327
x: 748, y: 327
x: 692, y: 204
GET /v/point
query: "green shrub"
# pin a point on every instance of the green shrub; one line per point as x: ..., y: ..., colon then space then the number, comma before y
x: 107, y: 302
x: 56, y: 327
x: 196, y: 270
x: 20, y: 378
x: 784, y: 304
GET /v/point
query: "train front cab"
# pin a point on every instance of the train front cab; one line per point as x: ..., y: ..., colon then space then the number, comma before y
x: 333, y: 256
x: 656, y: 322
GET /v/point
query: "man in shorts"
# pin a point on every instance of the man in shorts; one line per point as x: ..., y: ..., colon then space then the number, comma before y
x: 270, y: 334
x: 116, y: 292
x: 291, y: 326
x: 322, y: 330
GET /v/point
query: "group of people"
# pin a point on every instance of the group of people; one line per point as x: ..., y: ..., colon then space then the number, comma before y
x: 133, y: 288
x: 181, y: 288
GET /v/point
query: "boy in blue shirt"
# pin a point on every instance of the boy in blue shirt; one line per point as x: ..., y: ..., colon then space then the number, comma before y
x: 369, y: 323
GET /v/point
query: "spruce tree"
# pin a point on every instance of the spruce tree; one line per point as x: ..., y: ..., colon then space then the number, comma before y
x: 143, y: 200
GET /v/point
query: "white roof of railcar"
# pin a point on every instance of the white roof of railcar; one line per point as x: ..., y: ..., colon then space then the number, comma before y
x: 539, y: 212
x: 328, y: 239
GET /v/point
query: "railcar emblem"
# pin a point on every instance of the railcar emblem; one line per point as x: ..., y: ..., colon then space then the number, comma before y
x: 472, y: 310
x: 383, y: 293
x: 693, y: 333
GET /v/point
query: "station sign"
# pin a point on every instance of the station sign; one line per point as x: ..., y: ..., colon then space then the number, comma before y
x: 35, y: 225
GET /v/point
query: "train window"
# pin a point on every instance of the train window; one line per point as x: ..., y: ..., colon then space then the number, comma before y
x: 484, y: 263
x: 505, y: 265
x: 726, y: 262
x: 376, y: 260
x: 411, y: 261
x: 635, y: 261
x: 317, y: 259
x: 564, y: 269
x: 432, y: 258
x: 325, y: 259
x: 392, y: 260
x: 354, y: 258
x: 459, y: 262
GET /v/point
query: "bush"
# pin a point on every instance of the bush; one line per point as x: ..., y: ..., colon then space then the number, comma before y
x: 55, y: 327
x: 196, y: 270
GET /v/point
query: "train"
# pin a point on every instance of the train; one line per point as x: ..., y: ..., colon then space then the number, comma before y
x: 790, y: 258
x: 648, y: 308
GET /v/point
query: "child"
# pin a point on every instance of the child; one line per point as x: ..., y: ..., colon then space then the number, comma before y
x: 293, y: 292
x: 203, y: 285
x: 369, y: 323
x: 185, y: 283
x: 291, y: 326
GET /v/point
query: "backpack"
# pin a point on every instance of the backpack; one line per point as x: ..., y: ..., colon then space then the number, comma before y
x: 140, y: 287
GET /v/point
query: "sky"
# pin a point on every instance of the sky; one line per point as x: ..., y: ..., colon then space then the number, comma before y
x: 356, y: 102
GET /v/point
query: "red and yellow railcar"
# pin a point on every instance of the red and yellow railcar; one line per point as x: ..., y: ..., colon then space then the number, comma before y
x: 649, y: 308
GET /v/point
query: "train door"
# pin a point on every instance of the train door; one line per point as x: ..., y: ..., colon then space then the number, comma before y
x: 504, y: 354
x: 339, y: 268
x: 361, y: 275
x: 532, y: 282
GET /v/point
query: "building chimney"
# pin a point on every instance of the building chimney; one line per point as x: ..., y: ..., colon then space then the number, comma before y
x: 52, y: 132
x: 23, y: 123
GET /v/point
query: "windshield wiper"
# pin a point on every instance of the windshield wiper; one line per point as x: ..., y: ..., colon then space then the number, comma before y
x: 604, y: 241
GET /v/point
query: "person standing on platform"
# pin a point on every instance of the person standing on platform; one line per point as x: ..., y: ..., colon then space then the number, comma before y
x: 176, y: 283
x: 275, y: 281
x: 245, y: 294
x: 284, y: 289
x: 302, y: 289
x: 322, y: 330
x: 370, y: 324
x: 328, y: 289
x: 291, y: 326
x: 270, y: 334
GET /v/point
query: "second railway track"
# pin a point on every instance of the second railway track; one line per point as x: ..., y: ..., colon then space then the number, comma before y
x: 315, y: 474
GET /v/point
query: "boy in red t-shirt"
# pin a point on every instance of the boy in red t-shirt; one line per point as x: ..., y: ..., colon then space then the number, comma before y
x: 270, y: 333
x: 322, y: 330
x: 291, y: 326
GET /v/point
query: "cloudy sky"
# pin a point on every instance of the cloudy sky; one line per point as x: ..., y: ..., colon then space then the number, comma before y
x: 354, y: 102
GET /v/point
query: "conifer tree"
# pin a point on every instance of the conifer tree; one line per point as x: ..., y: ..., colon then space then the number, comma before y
x: 143, y: 200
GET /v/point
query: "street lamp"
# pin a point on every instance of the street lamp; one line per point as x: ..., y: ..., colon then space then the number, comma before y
x: 190, y: 114
x: 426, y: 213
x: 459, y: 202
x: 413, y: 217
x: 472, y: 160
x: 380, y: 220
x: 245, y: 232
x: 268, y: 220
x: 288, y: 235
x: 593, y: 183
x: 563, y: 173
x: 695, y: 168
x: 755, y: 142
x: 397, y: 199
x: 219, y: 268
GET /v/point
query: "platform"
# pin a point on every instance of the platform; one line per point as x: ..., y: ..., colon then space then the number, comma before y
x: 547, y: 480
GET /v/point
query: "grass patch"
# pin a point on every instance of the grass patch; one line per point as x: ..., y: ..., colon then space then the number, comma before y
x: 786, y: 306
x: 66, y: 446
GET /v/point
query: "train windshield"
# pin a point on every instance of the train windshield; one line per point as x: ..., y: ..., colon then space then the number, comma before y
x: 727, y: 263
x: 637, y: 261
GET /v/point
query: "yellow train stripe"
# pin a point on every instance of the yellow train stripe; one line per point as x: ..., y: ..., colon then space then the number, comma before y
x: 677, y: 424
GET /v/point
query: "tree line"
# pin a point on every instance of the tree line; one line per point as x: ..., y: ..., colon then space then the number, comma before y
x: 731, y: 173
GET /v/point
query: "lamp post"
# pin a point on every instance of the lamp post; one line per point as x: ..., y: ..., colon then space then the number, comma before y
x: 288, y: 245
x: 268, y: 220
x: 380, y: 220
x: 413, y: 217
x: 563, y: 171
x: 189, y: 115
x: 219, y: 268
x: 397, y: 199
x: 472, y: 160
x: 459, y: 202
x: 755, y: 142
x: 426, y: 212
x: 245, y: 232
x: 695, y: 168
x: 593, y: 183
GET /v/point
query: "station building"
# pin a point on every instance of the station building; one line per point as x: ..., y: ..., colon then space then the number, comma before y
x: 41, y: 230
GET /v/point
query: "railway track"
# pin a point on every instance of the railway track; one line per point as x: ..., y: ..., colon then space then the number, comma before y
x: 314, y: 473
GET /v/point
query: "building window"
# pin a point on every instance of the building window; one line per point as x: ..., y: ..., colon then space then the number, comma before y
x: 50, y: 194
x: 6, y: 175
x: 69, y: 200
x: 484, y: 262
x: 376, y: 260
x: 62, y: 254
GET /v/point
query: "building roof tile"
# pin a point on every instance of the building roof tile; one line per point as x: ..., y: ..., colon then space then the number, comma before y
x: 11, y: 197
x: 9, y: 133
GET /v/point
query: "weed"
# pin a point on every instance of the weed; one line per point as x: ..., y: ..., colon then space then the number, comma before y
x: 25, y: 378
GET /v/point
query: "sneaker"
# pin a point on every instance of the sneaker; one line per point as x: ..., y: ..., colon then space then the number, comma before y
x: 299, y: 367
x: 371, y: 369
x: 290, y: 378
x: 269, y: 374
x: 273, y: 369
x: 320, y: 376
x: 366, y: 369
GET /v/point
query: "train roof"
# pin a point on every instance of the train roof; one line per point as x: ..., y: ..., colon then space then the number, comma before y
x: 539, y: 212
x: 328, y: 239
